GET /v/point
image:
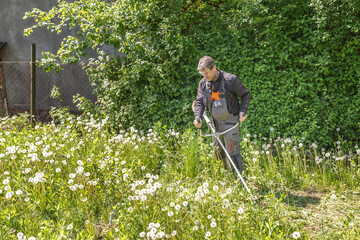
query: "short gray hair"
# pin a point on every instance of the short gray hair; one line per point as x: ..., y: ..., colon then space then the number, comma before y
x: 205, y: 62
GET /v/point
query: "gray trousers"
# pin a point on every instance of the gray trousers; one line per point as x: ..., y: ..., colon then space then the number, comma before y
x: 231, y: 141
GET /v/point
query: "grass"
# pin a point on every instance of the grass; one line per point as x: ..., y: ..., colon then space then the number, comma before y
x: 78, y: 180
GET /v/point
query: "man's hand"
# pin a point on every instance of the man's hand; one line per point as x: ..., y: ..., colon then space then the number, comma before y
x: 197, y: 122
x: 243, y: 116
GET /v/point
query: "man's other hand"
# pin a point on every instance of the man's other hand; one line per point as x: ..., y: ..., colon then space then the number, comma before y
x: 197, y: 122
x: 243, y: 116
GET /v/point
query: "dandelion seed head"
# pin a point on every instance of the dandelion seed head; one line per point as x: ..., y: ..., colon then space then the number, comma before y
x: 296, y: 235
x: 69, y: 227
x: 240, y: 211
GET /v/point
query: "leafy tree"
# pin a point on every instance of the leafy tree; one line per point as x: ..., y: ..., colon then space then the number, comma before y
x: 300, y: 59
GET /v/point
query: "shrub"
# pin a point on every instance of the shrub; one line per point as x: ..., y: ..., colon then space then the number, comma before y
x: 299, y: 59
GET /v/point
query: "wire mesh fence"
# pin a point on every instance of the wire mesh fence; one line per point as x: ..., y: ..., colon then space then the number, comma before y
x: 15, y: 82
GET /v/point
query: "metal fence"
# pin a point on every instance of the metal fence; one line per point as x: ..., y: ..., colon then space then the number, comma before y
x: 15, y: 85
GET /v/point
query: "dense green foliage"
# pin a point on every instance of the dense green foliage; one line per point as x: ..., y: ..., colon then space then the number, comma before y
x: 299, y: 59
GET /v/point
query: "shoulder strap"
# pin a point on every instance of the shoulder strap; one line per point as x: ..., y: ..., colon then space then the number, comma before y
x: 222, y: 90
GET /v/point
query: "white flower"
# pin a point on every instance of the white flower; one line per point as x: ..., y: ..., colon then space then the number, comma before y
x: 79, y: 170
x: 195, y: 228
x: 18, y: 192
x: 31, y: 238
x: 228, y: 191
x: 213, y: 224
x: 79, y: 162
x: 240, y: 211
x: 72, y: 175
x: 170, y: 213
x: 209, y: 217
x: 207, y: 234
x: 173, y: 233
x: 296, y: 235
x: 215, y: 188
x: 58, y: 170
x: 142, y: 234
x: 185, y: 203
x: 69, y: 227
x: 9, y: 194
x: 20, y: 235
x: 172, y: 204
x: 6, y: 181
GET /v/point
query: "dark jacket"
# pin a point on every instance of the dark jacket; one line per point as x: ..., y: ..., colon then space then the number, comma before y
x: 233, y: 86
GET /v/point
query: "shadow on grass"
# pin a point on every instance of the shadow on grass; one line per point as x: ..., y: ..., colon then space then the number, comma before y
x: 302, y: 201
x: 297, y: 198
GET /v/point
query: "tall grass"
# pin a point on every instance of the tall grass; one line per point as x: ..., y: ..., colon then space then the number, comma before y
x: 77, y: 180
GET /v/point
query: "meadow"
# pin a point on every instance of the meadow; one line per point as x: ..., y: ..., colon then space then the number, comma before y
x: 79, y: 180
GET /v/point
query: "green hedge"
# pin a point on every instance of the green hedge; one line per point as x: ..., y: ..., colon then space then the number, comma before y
x: 299, y: 59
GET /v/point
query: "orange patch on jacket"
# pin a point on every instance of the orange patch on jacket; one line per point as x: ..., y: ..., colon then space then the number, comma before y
x: 216, y: 95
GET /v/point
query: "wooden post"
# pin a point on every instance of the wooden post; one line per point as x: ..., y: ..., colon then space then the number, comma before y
x: 3, y: 103
x: 33, y: 85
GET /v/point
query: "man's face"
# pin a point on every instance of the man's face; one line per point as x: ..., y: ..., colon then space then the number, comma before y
x: 209, y: 73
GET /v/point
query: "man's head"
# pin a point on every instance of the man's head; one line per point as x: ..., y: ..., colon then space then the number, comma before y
x: 207, y: 68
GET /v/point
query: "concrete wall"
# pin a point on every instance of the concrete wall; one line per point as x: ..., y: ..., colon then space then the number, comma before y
x: 18, y: 49
x: 12, y: 27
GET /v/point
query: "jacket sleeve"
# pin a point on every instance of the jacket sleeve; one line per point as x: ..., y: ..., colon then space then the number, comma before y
x: 242, y: 92
x: 199, y: 103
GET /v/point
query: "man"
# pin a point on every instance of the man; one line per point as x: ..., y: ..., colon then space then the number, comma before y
x: 218, y: 93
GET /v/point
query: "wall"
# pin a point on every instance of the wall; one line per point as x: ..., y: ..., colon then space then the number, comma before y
x: 18, y: 49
